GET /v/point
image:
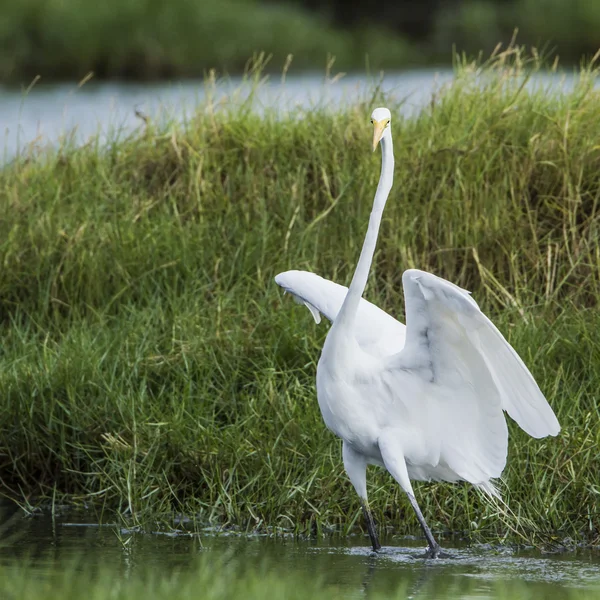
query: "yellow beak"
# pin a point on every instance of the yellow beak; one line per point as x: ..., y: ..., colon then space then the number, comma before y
x: 378, y: 128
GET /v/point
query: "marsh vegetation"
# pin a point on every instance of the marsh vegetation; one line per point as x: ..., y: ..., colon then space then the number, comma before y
x: 149, y: 40
x: 151, y: 367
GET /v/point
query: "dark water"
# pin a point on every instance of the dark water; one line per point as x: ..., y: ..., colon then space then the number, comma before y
x: 52, y: 544
x: 44, y: 114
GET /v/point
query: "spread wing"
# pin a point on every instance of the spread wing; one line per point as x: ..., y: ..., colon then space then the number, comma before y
x: 376, y: 332
x: 471, y: 373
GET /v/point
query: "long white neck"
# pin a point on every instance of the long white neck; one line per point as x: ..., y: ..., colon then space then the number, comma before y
x: 347, y: 314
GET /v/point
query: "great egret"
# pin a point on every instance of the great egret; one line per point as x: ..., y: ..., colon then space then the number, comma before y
x: 424, y: 401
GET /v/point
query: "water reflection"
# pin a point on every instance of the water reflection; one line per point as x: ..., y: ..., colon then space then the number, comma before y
x: 50, y: 545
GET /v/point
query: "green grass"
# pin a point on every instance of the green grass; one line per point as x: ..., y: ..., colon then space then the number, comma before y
x: 567, y: 29
x: 150, y: 365
x: 150, y: 39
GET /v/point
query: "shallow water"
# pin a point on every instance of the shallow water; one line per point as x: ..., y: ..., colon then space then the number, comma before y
x: 47, y: 112
x: 50, y: 545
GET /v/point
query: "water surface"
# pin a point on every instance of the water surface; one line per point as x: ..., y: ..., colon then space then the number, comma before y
x: 50, y: 545
x: 48, y: 112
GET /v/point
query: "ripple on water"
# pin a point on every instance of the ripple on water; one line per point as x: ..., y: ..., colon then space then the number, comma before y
x: 484, y: 562
x: 51, y: 545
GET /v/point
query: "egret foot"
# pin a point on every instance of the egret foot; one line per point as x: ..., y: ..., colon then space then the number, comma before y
x: 433, y: 552
x: 433, y: 548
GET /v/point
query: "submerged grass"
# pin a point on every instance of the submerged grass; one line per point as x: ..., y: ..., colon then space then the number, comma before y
x: 150, y: 365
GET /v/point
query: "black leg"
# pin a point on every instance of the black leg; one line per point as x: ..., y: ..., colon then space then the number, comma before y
x: 433, y: 551
x: 371, y: 527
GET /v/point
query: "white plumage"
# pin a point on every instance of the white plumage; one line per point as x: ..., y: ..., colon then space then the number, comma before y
x: 424, y: 401
x: 376, y: 332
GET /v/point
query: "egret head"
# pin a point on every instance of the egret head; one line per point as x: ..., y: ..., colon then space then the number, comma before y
x: 381, y: 118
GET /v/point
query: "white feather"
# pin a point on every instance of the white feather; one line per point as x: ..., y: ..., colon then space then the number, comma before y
x: 469, y: 375
x: 377, y: 332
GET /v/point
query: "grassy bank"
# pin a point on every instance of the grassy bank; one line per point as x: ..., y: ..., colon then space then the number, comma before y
x: 150, y: 364
x: 149, y: 39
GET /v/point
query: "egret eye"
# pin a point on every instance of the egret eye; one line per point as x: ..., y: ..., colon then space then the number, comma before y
x: 371, y: 121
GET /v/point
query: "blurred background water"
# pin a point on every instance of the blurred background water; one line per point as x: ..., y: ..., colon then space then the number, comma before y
x: 151, y: 57
x: 109, y: 111
x: 114, y: 109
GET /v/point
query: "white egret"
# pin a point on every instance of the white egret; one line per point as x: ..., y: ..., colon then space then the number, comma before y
x: 424, y: 401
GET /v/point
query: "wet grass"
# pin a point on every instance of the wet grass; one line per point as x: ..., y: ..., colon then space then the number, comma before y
x: 151, y: 366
